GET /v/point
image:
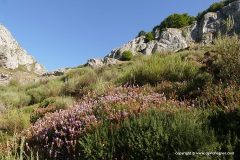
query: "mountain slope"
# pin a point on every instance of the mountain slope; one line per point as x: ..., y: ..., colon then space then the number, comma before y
x: 12, y: 55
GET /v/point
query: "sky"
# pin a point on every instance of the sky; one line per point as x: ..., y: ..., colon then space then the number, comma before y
x: 61, y: 33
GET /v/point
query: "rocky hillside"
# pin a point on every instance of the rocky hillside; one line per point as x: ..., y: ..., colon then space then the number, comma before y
x: 173, y: 39
x: 15, y: 62
x: 12, y: 55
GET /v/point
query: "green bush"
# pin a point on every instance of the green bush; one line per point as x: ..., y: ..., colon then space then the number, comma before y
x: 175, y: 21
x: 156, y: 135
x: 15, y: 99
x: 228, y: 58
x: 38, y: 94
x: 79, y: 82
x: 127, y: 56
x: 141, y: 33
x: 14, y: 121
x: 149, y: 37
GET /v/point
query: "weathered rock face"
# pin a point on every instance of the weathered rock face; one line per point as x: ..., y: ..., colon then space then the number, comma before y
x: 232, y: 9
x: 169, y: 40
x: 134, y: 46
x: 172, y: 39
x: 100, y: 62
x: 213, y: 22
x: 190, y: 33
x: 12, y: 55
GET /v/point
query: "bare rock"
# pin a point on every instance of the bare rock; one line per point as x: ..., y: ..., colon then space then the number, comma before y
x: 191, y: 33
x: 4, y: 79
x: 213, y: 22
x: 172, y: 39
x: 169, y: 40
x: 100, y: 62
x: 12, y: 55
x: 58, y: 72
x: 135, y: 45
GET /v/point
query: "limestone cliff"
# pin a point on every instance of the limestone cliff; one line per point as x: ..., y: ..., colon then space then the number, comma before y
x: 13, y: 56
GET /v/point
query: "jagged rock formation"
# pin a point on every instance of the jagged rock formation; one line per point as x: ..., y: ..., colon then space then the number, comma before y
x: 213, y: 22
x: 13, y: 56
x: 169, y: 40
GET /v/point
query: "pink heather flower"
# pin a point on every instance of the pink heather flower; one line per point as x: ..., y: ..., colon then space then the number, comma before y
x: 226, y: 107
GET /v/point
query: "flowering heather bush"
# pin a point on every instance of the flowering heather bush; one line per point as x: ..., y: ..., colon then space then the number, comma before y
x: 118, y: 102
x: 224, y: 96
x: 51, y: 104
x: 56, y: 135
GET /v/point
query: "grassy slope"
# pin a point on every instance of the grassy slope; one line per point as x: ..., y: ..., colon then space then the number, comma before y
x: 192, y: 78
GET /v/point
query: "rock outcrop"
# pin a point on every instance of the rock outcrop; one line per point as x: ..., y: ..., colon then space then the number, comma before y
x: 54, y: 73
x: 100, y: 62
x: 13, y: 56
x: 213, y: 22
x: 4, y: 79
x: 175, y: 39
x: 199, y: 33
x: 169, y: 40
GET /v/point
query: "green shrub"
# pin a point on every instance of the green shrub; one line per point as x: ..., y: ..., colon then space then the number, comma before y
x: 127, y: 56
x: 38, y: 94
x: 15, y: 99
x: 228, y: 59
x: 141, y: 33
x: 14, y: 83
x: 156, y: 135
x: 149, y: 37
x: 55, y: 87
x: 14, y: 121
x: 175, y: 21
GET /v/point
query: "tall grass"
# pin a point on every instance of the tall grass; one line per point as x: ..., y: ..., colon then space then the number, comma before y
x: 157, y: 68
x: 13, y: 149
x: 14, y: 121
x: 228, y: 60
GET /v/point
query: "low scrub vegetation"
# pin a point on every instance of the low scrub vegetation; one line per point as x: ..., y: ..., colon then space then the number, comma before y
x: 127, y: 56
x: 149, y: 37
